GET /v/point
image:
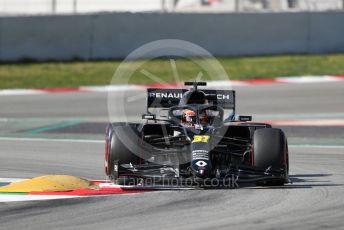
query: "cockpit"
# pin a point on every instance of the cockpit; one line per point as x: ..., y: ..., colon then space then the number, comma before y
x: 193, y: 116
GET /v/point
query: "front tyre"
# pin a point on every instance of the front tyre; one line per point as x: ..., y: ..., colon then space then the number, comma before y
x: 270, y: 150
x: 117, y: 153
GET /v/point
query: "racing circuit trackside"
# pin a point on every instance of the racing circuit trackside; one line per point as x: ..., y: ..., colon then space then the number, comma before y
x: 76, y: 148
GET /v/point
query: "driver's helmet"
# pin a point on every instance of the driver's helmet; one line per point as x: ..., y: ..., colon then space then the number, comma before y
x: 189, y: 118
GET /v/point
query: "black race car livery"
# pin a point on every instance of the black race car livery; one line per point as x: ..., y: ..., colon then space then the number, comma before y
x: 191, y: 137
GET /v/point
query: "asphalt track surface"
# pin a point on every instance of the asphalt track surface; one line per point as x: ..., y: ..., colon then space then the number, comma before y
x: 313, y: 201
x: 265, y: 99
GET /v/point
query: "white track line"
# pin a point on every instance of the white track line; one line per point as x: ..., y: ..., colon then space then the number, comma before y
x: 318, y: 146
x: 51, y: 140
x: 10, y: 92
x: 9, y: 180
x: 16, y: 198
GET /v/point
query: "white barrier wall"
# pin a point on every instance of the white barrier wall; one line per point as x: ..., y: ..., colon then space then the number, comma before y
x: 115, y: 35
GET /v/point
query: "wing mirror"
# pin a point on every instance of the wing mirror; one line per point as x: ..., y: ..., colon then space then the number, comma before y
x: 245, y: 118
x: 148, y: 116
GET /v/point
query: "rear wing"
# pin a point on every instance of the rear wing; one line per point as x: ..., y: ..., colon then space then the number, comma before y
x: 165, y: 98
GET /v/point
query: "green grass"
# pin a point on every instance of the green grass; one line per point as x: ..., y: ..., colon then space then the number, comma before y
x: 79, y: 73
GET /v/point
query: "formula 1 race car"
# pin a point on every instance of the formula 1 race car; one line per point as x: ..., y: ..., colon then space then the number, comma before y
x: 191, y: 137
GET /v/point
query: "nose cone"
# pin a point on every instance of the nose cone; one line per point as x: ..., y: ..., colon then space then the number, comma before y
x: 200, y: 159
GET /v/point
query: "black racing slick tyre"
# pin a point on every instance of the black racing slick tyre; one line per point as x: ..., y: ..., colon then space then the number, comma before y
x: 270, y: 150
x: 119, y: 149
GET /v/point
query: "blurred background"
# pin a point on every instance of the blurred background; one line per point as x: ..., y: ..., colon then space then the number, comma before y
x: 72, y: 43
x: 86, y: 6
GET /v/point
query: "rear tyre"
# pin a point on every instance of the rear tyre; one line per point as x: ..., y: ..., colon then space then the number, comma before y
x: 119, y: 150
x: 270, y: 149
